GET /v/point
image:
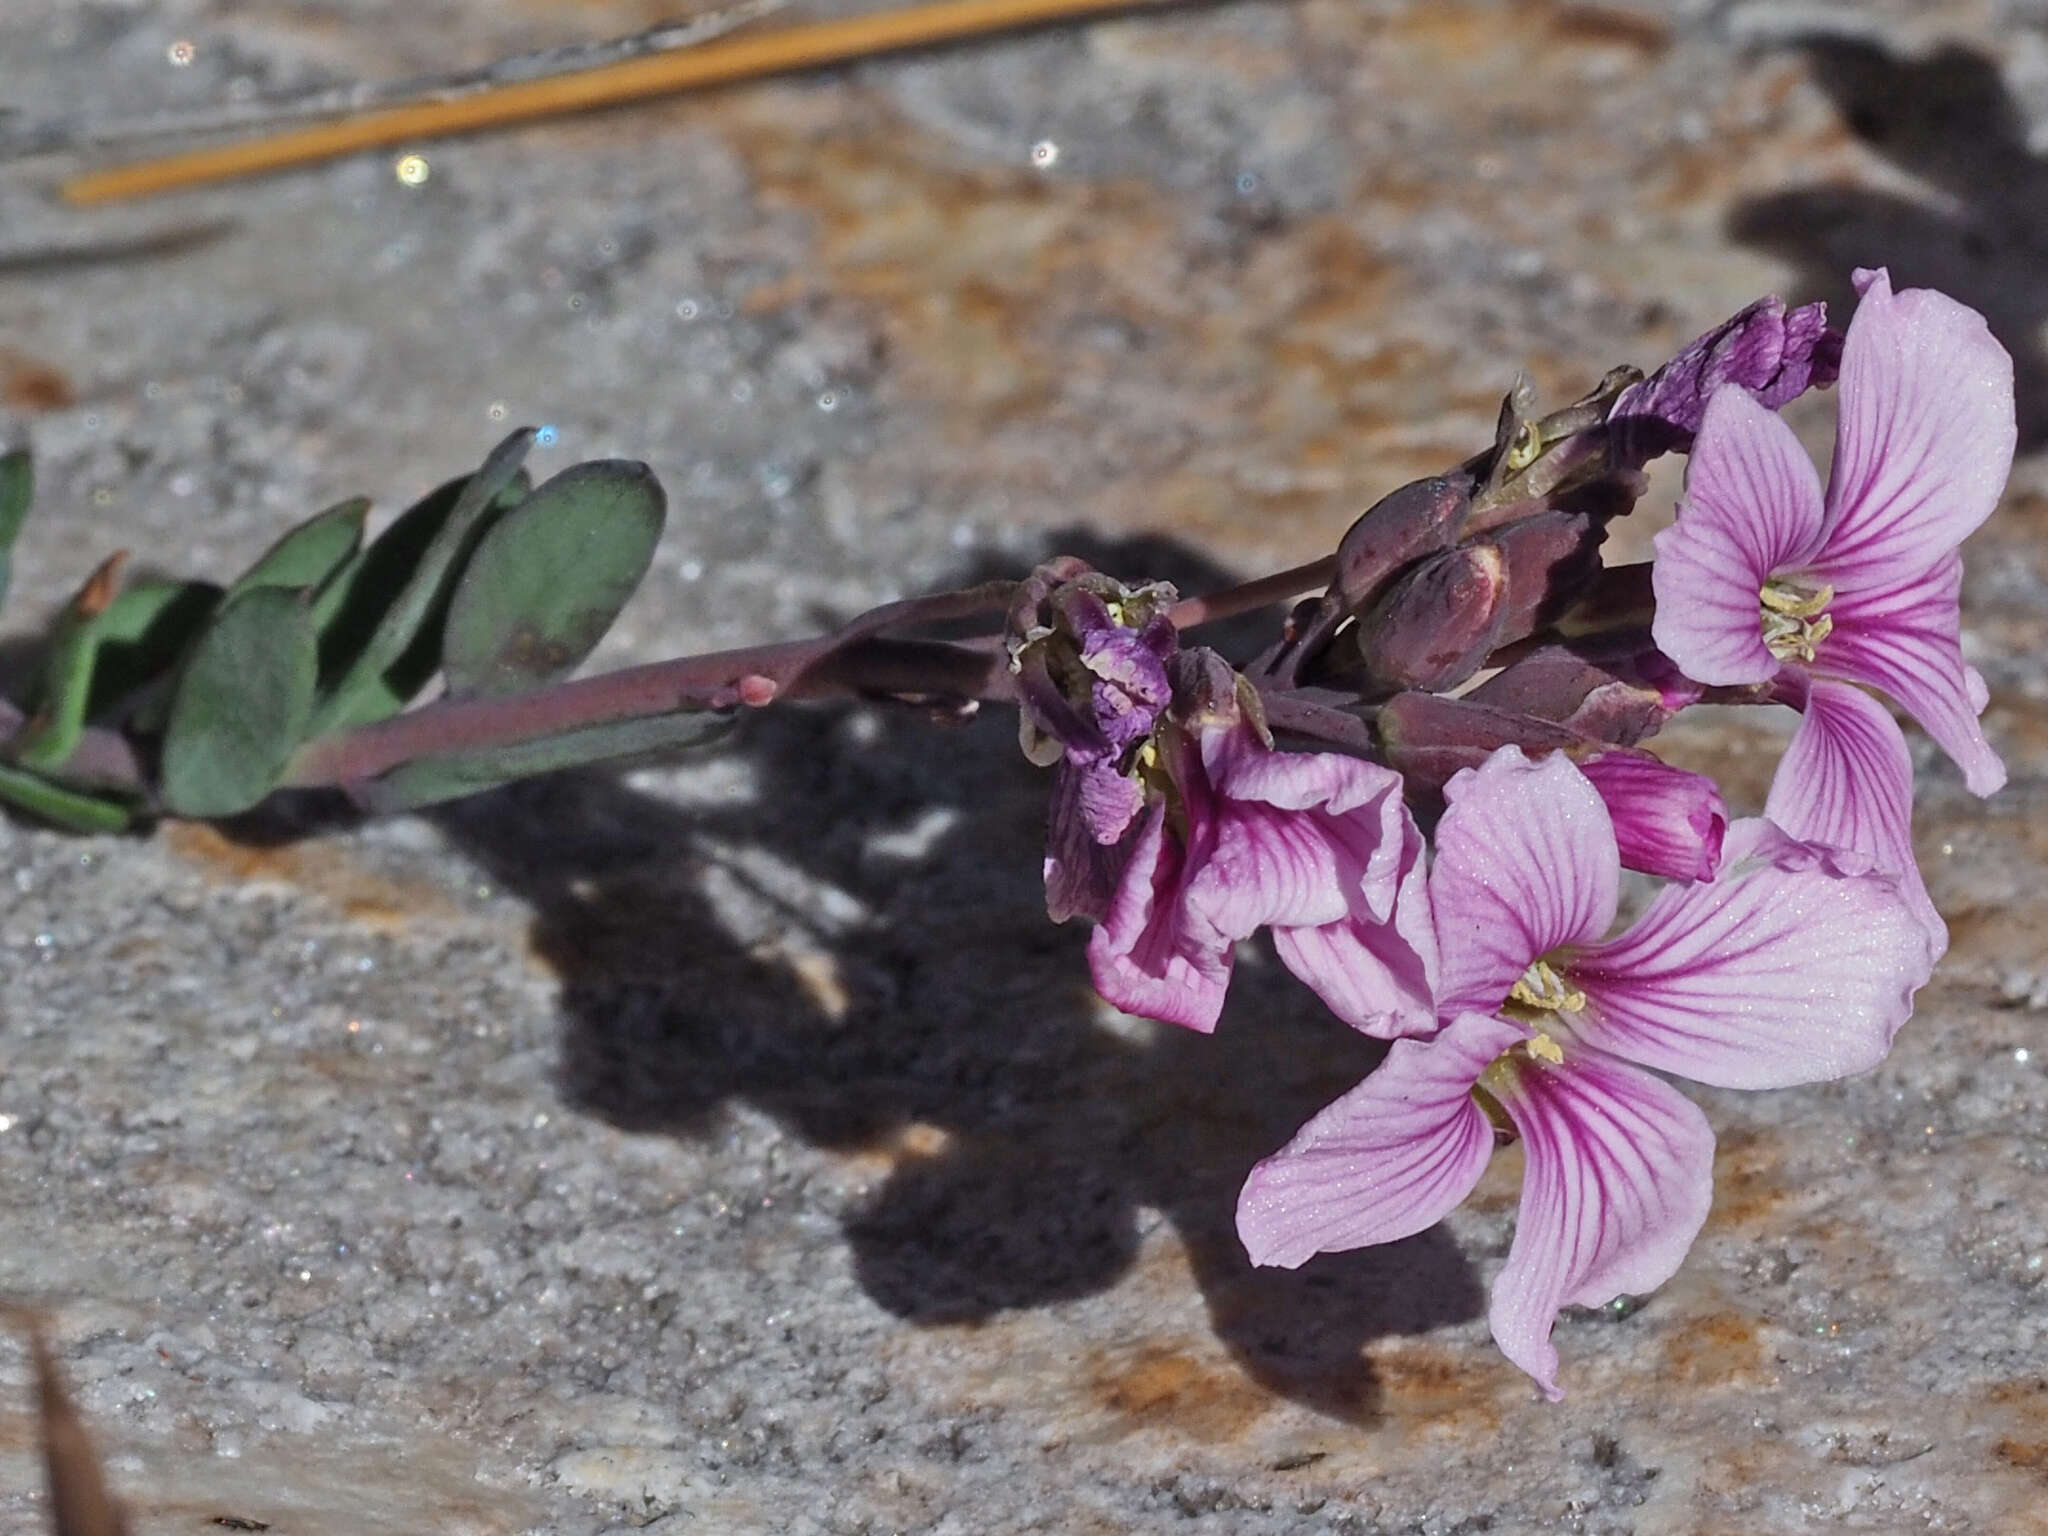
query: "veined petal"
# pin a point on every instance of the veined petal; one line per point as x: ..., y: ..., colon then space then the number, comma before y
x: 1847, y: 781
x: 1301, y: 838
x: 1907, y: 640
x: 1666, y: 821
x: 1379, y: 977
x: 1798, y: 964
x: 1394, y: 1155
x: 1152, y: 955
x: 1081, y: 873
x: 1618, y: 1175
x: 1925, y: 437
x: 1525, y: 862
x: 1752, y: 507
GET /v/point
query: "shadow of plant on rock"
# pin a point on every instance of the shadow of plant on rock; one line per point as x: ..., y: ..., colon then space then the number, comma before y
x: 1947, y: 119
x: 927, y: 989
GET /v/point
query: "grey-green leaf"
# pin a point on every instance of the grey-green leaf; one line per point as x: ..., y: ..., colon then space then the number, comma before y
x: 550, y: 577
x: 369, y: 633
x: 451, y: 775
x: 17, y: 491
x: 242, y: 704
x: 311, y: 552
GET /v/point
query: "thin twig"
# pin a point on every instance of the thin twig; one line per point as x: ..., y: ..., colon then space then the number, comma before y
x: 22, y: 141
x: 741, y: 58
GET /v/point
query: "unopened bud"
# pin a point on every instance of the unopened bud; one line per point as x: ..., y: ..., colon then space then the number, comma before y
x: 1438, y: 624
x: 1420, y: 518
x: 1551, y: 558
x: 1427, y: 738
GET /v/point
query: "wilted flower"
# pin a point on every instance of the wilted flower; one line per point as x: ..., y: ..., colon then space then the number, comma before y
x: 1796, y: 964
x: 1315, y: 845
x: 1774, y: 355
x: 1766, y: 578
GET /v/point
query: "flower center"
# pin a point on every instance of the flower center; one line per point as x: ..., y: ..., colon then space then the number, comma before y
x: 1795, y: 618
x: 1542, y: 990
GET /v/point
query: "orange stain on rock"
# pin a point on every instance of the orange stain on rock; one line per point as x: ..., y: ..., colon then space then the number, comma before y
x: 320, y: 870
x: 1159, y: 1385
x: 1717, y: 1350
x: 29, y: 384
x: 1430, y: 1386
x: 1747, y: 1188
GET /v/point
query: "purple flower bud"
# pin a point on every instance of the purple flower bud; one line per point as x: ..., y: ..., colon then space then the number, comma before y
x: 1401, y: 527
x: 1667, y: 821
x: 1428, y: 738
x: 1773, y: 354
x: 1436, y: 626
x: 1629, y: 692
x: 1550, y: 558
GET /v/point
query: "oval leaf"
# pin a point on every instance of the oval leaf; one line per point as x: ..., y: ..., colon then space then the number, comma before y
x: 372, y: 634
x: 550, y: 577
x: 242, y: 703
x: 311, y: 552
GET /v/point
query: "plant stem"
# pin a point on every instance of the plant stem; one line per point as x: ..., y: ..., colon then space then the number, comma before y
x: 1249, y: 597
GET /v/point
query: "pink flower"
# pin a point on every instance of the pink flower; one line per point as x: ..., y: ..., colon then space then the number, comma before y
x: 1766, y: 579
x: 1795, y: 964
x: 1316, y: 845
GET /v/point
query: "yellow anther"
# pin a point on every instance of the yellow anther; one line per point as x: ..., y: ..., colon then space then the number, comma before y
x: 1543, y: 1048
x: 1795, y: 601
x: 1543, y: 990
x: 1795, y: 619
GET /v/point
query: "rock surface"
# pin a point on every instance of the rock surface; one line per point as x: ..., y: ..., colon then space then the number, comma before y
x: 732, y: 1147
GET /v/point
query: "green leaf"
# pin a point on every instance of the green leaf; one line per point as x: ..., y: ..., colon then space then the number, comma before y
x: 98, y: 659
x: 549, y: 577
x: 372, y: 655
x: 143, y: 636
x: 311, y: 552
x: 59, y: 717
x: 61, y: 807
x: 451, y: 775
x: 17, y: 491
x: 242, y: 703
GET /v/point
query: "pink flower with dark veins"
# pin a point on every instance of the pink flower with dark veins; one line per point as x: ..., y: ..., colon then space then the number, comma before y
x: 1796, y: 963
x: 1766, y: 579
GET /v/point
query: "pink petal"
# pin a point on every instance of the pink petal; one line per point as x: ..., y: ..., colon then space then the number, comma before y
x: 1925, y: 437
x: 1321, y: 847
x: 1847, y: 781
x: 1666, y: 821
x: 1152, y: 955
x: 1379, y: 977
x: 1752, y: 507
x: 1394, y: 1155
x: 1617, y: 1180
x: 1797, y: 965
x: 1907, y: 640
x: 1301, y: 838
x: 1525, y: 862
